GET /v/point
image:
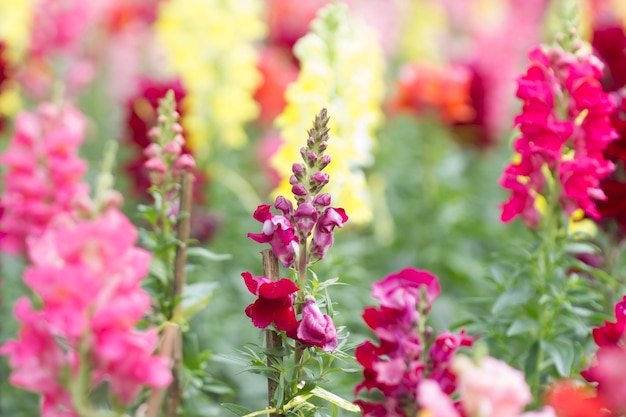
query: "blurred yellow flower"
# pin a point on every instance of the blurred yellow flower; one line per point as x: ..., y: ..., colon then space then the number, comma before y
x: 210, y: 44
x: 341, y: 69
x: 15, y: 27
x: 15, y: 18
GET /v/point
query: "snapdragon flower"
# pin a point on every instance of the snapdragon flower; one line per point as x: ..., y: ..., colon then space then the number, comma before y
x: 400, y: 367
x: 43, y: 172
x: 87, y: 274
x: 565, y: 127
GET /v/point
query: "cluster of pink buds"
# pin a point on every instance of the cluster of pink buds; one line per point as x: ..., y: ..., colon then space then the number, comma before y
x: 401, y: 363
x: 298, y: 236
x: 165, y: 154
x: 565, y: 127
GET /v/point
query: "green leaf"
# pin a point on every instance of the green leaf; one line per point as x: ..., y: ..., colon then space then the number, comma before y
x: 562, y: 354
x: 511, y: 298
x: 523, y: 325
x: 205, y: 255
x: 195, y: 297
x: 335, y: 399
x: 236, y: 409
x: 157, y: 269
x: 532, y: 358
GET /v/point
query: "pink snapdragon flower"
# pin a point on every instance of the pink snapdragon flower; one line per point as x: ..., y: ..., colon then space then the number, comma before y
x: 315, y: 328
x: 278, y: 231
x: 87, y: 274
x: 481, y: 396
x: 569, y: 143
x: 323, y: 234
x: 42, y: 173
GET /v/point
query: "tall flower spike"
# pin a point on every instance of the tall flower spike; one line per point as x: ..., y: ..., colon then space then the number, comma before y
x: 210, y: 43
x: 341, y: 66
x: 564, y: 128
x: 43, y: 172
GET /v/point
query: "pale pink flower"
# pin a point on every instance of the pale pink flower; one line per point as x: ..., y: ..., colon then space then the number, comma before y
x: 491, y: 388
x: 431, y: 398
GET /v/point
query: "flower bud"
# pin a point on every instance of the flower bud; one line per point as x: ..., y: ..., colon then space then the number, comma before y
x: 155, y: 164
x: 297, y: 168
x: 154, y: 132
x: 284, y: 205
x: 315, y: 328
x: 299, y: 190
x: 322, y: 200
x: 319, y: 178
x: 185, y: 162
x: 152, y: 151
x: 172, y: 148
x: 305, y: 218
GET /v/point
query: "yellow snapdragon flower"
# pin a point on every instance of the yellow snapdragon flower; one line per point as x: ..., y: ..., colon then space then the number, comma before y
x: 341, y: 69
x: 210, y: 44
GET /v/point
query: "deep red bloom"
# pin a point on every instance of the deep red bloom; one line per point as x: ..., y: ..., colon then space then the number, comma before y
x: 275, y: 302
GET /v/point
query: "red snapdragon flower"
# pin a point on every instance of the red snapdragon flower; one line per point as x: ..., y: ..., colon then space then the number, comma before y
x: 275, y: 302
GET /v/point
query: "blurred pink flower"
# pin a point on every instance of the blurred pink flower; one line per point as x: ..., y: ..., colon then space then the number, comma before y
x: 42, y: 172
x: 431, y: 398
x: 558, y: 80
x: 490, y: 389
x: 87, y: 274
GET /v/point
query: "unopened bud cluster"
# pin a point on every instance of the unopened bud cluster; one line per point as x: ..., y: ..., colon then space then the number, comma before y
x: 165, y: 153
x: 308, y: 179
x: 313, y: 215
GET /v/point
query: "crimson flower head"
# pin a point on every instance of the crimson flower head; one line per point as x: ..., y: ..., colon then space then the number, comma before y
x: 275, y: 302
x: 315, y: 328
x: 398, y: 365
x: 564, y: 112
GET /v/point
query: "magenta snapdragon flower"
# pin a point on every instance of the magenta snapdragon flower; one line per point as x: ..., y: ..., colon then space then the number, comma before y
x: 278, y: 231
x: 564, y: 127
x: 399, y: 364
x: 315, y: 328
